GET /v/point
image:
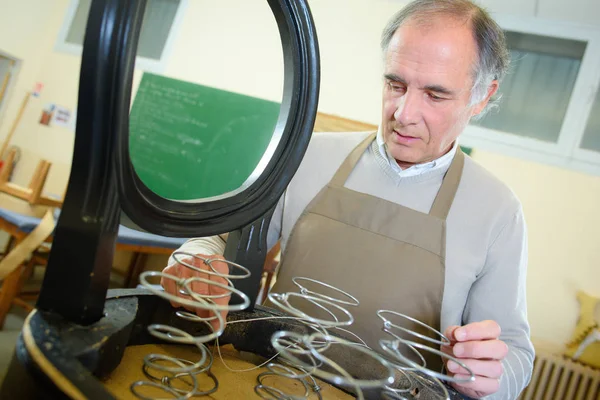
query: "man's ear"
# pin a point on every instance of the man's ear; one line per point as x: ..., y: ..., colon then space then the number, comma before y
x: 492, y: 89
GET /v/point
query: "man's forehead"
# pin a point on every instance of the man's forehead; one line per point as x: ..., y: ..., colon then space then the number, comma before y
x: 444, y: 36
x: 444, y: 56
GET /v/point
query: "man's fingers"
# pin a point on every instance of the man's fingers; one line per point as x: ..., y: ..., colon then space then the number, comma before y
x: 488, y: 349
x: 169, y: 284
x: 485, y: 368
x: 476, y: 345
x: 182, y: 272
x: 186, y: 273
x: 218, y: 268
x: 223, y: 293
x: 483, y: 330
x: 215, y: 267
x: 449, y: 333
x: 481, y: 385
x: 447, y: 350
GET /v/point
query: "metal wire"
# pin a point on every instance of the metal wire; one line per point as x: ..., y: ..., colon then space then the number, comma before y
x: 387, y: 324
x: 354, y: 301
x: 391, y: 347
x: 301, y: 356
x: 305, y: 352
x: 282, y: 301
x: 176, y: 369
x: 404, y: 363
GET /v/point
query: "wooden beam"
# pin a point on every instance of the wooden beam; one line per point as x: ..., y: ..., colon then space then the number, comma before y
x: 14, y: 125
x: 47, y: 201
x: 8, y: 166
x: 5, y: 81
x: 334, y: 123
x: 38, y: 180
x: 16, y: 190
x: 22, y: 303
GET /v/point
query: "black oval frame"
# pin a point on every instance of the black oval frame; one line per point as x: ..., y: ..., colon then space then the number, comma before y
x: 102, y: 181
x: 296, y: 120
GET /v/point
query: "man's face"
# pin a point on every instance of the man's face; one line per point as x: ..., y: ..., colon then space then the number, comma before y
x: 427, y: 87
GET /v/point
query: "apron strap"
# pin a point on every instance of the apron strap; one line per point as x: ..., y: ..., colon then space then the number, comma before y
x: 343, y: 172
x: 445, y: 197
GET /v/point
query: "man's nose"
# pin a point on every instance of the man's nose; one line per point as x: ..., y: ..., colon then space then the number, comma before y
x: 408, y: 108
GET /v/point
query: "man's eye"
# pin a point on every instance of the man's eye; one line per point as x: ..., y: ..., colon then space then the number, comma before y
x: 435, y: 98
x: 396, y: 88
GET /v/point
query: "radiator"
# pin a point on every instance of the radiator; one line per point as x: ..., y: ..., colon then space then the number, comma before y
x: 558, y: 378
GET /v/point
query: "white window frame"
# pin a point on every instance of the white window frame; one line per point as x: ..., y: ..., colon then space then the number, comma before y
x: 565, y: 152
x: 143, y: 63
x: 16, y: 68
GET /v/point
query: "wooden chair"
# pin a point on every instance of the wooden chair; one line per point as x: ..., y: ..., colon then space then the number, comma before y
x: 141, y: 245
x: 33, y: 193
x: 19, y: 226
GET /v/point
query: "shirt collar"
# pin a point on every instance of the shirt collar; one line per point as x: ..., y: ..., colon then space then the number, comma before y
x: 417, y: 169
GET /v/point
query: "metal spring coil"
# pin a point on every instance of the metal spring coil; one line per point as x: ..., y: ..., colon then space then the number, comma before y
x: 294, y: 349
x: 182, y: 371
x: 405, y: 364
x: 305, y: 352
x: 293, y: 346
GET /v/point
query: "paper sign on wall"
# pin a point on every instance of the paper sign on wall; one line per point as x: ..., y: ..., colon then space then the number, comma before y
x: 37, y: 89
x: 55, y: 115
x: 62, y: 117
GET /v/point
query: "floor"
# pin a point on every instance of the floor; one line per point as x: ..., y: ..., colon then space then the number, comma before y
x: 8, y: 337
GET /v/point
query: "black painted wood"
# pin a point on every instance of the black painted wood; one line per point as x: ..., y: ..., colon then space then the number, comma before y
x: 78, y: 271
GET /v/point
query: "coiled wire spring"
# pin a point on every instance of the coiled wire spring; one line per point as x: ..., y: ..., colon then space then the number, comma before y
x: 181, y: 370
x: 301, y: 356
x: 305, y: 352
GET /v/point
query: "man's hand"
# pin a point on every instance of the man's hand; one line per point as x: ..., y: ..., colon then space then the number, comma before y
x: 478, y: 347
x: 181, y: 271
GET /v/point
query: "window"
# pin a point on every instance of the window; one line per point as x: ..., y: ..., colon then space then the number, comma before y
x: 160, y: 19
x: 538, y: 87
x: 549, y: 109
x: 591, y: 136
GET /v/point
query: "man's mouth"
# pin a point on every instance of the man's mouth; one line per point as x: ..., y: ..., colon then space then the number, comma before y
x: 404, y: 138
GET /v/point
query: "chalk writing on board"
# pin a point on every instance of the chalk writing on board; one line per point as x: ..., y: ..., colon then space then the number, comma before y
x: 189, y: 141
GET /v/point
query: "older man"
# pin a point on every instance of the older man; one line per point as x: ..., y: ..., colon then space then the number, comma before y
x: 402, y: 219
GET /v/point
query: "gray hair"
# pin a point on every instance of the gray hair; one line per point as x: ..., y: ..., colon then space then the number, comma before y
x: 493, y: 55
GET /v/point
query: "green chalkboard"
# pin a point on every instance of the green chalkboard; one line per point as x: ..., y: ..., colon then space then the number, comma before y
x: 466, y: 150
x: 189, y: 141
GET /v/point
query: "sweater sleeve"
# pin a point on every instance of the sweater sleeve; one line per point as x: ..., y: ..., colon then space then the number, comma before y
x: 499, y: 293
x: 213, y: 245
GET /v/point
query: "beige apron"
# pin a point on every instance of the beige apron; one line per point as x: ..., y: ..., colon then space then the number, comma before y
x: 386, y: 255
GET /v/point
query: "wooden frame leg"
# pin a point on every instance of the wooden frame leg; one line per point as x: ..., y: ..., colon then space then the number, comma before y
x: 8, y: 291
x: 11, y: 287
x: 136, y: 267
x: 139, y: 268
x: 268, y: 279
x: 10, y: 244
x: 132, y: 264
x: 23, y: 304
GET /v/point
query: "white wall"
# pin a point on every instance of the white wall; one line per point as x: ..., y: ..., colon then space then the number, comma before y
x: 233, y: 45
x: 563, y: 220
x: 227, y: 55
x: 28, y: 29
x: 582, y: 11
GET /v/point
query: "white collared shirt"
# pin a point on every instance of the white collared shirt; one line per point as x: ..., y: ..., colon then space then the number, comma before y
x: 414, y: 170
